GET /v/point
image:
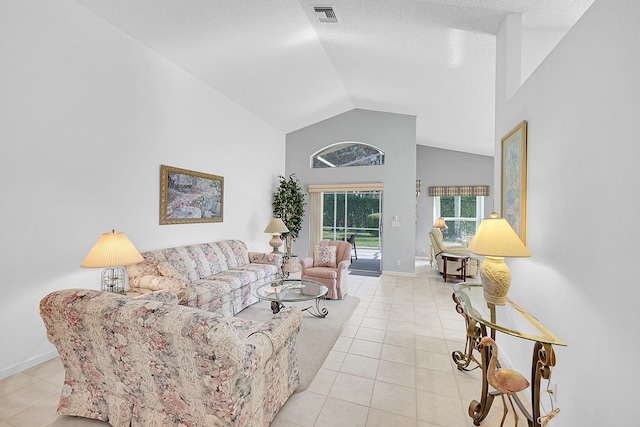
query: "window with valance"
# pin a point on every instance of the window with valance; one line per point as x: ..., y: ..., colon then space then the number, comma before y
x: 461, y: 206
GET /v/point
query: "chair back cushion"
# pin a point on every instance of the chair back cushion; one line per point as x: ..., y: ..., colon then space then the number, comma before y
x: 436, y: 240
x: 343, y: 249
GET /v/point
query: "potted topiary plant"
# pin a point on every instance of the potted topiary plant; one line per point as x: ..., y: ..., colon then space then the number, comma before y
x: 288, y: 204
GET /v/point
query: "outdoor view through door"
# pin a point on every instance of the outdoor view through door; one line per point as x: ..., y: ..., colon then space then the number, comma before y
x: 355, y: 216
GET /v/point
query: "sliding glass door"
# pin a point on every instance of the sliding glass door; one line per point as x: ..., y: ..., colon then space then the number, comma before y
x: 350, y: 213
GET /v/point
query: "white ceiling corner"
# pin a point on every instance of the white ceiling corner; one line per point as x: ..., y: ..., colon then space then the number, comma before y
x: 431, y: 59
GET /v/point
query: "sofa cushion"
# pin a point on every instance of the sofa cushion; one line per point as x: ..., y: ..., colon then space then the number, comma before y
x: 209, y: 295
x: 258, y: 271
x: 324, y: 256
x: 235, y: 253
x: 183, y: 260
x: 216, y: 261
x: 232, y: 278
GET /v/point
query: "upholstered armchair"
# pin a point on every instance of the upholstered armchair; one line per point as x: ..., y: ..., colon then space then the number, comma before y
x: 439, y: 247
x: 148, y: 361
x: 329, y: 265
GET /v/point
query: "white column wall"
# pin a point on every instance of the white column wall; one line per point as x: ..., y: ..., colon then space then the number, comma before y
x: 436, y: 166
x: 581, y: 105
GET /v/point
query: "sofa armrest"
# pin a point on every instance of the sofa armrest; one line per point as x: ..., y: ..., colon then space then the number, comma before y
x: 306, y: 263
x: 280, y: 328
x: 265, y: 258
x: 343, y: 268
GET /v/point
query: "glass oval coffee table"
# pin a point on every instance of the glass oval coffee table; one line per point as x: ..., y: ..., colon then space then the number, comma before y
x: 293, y: 290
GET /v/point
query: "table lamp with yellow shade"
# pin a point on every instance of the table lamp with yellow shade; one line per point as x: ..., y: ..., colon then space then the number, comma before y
x: 495, y: 239
x: 112, y: 251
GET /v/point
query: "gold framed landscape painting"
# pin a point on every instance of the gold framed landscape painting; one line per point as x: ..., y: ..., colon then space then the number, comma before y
x: 190, y: 197
x: 514, y: 179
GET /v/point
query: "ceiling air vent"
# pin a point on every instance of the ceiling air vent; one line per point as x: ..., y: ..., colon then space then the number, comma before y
x: 325, y: 14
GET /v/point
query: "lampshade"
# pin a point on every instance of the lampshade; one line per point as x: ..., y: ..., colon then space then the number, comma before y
x: 495, y: 237
x: 111, y: 250
x: 440, y: 223
x: 276, y: 226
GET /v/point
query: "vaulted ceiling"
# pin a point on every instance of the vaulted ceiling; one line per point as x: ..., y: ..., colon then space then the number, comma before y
x: 431, y: 59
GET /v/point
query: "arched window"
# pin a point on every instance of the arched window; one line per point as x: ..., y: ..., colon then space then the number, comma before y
x: 348, y: 153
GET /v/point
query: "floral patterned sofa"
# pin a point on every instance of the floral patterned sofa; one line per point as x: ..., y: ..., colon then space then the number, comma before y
x: 215, y: 276
x: 148, y: 361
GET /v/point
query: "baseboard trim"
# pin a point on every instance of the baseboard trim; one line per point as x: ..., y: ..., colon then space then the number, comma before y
x: 22, y: 366
x: 398, y: 273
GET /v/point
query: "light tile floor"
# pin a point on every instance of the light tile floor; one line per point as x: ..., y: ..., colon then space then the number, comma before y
x: 392, y: 366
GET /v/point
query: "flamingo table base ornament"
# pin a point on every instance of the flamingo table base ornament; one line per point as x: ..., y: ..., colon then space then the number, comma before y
x: 505, y: 381
x: 484, y: 319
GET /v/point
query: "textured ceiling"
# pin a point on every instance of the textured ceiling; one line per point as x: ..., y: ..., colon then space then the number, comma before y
x: 431, y: 59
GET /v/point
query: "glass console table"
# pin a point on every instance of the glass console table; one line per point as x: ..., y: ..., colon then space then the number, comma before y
x: 510, y: 319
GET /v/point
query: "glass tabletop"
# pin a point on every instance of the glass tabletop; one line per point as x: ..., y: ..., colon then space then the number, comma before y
x: 290, y: 290
x: 509, y: 318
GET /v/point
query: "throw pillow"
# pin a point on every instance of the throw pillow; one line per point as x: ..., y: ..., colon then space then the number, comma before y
x: 169, y: 270
x: 324, y: 256
x: 147, y: 267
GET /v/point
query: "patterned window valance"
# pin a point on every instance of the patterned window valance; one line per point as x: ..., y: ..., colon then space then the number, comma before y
x: 460, y: 190
x: 333, y: 188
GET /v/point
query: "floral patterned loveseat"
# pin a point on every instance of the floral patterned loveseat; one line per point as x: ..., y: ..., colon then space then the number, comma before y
x: 215, y: 276
x: 148, y: 361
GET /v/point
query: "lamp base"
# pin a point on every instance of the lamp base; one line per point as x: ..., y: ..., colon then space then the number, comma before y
x: 112, y: 280
x: 496, y: 280
x: 275, y: 243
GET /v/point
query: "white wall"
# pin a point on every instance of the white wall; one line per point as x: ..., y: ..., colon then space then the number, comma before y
x: 536, y: 45
x: 582, y: 107
x: 395, y: 134
x: 87, y: 116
